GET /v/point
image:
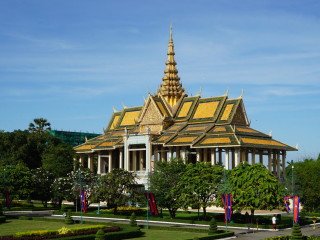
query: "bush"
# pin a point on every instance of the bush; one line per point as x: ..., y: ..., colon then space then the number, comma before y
x: 126, y: 211
x: 296, y: 232
x: 219, y: 234
x: 64, y: 230
x: 36, y: 233
x: 133, y: 220
x: 100, y: 235
x: 69, y: 219
x: 213, y: 228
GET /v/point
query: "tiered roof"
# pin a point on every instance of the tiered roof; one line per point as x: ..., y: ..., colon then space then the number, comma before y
x: 174, y: 119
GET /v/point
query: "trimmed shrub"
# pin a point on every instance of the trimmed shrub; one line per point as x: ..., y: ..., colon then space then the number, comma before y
x: 213, y: 228
x: 69, y: 219
x: 36, y: 233
x: 296, y: 232
x: 64, y: 230
x: 133, y: 220
x: 100, y: 235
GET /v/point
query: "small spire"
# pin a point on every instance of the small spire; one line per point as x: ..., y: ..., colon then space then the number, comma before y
x: 114, y: 110
x: 242, y: 93
x: 124, y: 107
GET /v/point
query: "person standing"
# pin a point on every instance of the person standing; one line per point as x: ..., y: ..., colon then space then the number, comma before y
x: 274, y: 222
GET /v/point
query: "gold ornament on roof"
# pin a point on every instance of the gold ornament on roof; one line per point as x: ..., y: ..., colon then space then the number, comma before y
x: 171, y: 88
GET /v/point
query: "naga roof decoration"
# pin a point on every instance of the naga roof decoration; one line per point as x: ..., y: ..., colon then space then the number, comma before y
x: 174, y: 119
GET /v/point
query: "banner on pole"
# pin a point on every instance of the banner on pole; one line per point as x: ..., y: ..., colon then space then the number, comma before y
x: 83, y: 200
x: 152, y: 203
x: 7, y: 197
x: 227, y: 205
x: 296, y: 203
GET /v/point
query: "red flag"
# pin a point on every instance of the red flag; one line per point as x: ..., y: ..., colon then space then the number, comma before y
x: 296, y: 202
x: 83, y: 200
x: 152, y: 203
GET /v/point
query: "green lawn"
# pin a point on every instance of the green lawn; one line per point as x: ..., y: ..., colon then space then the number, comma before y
x: 151, y: 234
x: 15, y: 225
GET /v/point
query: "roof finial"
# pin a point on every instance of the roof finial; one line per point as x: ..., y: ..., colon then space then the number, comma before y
x: 242, y: 93
x: 227, y: 93
x: 171, y: 40
x: 114, y: 110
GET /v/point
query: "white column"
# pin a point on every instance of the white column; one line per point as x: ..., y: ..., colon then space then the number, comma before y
x: 213, y: 156
x: 99, y: 164
x: 205, y: 154
x: 198, y: 154
x: 278, y: 165
x: 178, y: 152
x: 236, y: 157
x: 90, y: 162
x: 120, y: 158
x: 269, y: 161
x: 253, y: 155
x: 134, y: 160
x: 171, y: 153
x: 81, y: 160
x: 110, y: 161
x: 184, y: 154
x: 141, y: 160
x: 261, y: 156
x: 284, y: 174
x: 227, y: 159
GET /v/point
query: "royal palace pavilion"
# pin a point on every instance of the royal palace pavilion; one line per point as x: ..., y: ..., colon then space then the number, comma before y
x: 172, y: 124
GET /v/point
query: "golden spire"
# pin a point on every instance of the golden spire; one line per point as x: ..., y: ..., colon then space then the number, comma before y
x: 171, y: 88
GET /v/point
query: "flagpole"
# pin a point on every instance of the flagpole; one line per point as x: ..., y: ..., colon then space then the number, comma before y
x: 292, y: 193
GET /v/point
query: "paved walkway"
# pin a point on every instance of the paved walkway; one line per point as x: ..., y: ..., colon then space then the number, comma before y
x: 306, y: 230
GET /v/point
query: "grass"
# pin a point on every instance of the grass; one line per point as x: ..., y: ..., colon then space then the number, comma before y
x: 151, y: 234
x: 16, y: 225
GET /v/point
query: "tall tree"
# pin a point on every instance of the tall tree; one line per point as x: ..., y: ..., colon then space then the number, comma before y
x: 199, y: 184
x: 164, y: 183
x: 118, y: 188
x: 58, y: 158
x: 39, y: 126
x: 254, y: 187
x: 308, y: 178
x: 17, y: 179
x: 41, y: 184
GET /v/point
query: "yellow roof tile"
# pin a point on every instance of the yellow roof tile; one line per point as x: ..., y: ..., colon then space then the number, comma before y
x: 247, y: 130
x: 216, y: 140
x: 185, y: 109
x: 163, y: 111
x: 107, y: 144
x: 262, y: 141
x: 227, y: 111
x: 206, y: 110
x: 220, y: 129
x: 184, y: 139
x: 130, y: 118
x: 115, y: 121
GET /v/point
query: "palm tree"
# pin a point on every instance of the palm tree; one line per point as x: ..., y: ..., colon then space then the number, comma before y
x: 39, y: 125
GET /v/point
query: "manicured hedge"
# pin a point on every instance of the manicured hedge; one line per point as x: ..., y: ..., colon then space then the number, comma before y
x: 220, y: 234
x: 178, y: 229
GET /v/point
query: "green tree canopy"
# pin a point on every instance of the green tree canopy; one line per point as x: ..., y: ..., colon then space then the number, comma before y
x: 41, y: 184
x: 255, y: 187
x: 118, y: 188
x: 164, y: 183
x: 308, y: 180
x: 39, y: 125
x: 17, y: 179
x: 199, y: 184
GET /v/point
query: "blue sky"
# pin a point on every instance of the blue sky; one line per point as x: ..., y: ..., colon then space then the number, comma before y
x: 72, y: 61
